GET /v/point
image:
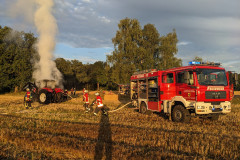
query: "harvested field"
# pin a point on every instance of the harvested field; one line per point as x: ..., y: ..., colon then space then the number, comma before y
x: 65, y: 131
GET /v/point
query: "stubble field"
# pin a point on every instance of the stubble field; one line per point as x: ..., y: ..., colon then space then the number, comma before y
x: 65, y: 131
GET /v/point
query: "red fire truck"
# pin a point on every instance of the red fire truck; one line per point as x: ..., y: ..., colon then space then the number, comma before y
x: 200, y: 89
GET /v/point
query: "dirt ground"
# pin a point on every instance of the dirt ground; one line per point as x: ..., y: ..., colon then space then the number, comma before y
x: 66, y: 131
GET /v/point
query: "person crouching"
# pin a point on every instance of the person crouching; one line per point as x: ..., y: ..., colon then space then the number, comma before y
x: 100, y: 105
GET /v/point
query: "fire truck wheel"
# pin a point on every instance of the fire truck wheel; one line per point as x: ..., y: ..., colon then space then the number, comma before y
x: 180, y: 114
x: 44, y: 97
x: 143, y: 108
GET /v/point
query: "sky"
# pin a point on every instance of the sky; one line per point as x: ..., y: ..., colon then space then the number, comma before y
x: 209, y: 29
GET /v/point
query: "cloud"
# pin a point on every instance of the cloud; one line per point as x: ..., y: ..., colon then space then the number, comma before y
x: 183, y: 43
x: 104, y: 19
x: 208, y: 29
x: 87, y: 1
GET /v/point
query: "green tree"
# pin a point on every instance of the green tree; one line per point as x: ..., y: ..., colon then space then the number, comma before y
x: 139, y: 49
x: 151, y: 39
x: 99, y: 74
x: 64, y: 66
x: 81, y: 72
x: 127, y: 55
x: 168, y: 50
x: 76, y: 74
x: 16, y: 50
x: 198, y: 59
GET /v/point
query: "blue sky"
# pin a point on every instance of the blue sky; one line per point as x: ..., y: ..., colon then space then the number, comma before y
x: 206, y: 28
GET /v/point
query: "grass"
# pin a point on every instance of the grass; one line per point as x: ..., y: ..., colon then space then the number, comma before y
x: 65, y: 131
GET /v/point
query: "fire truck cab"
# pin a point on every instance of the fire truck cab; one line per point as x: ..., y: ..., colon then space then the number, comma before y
x: 200, y: 89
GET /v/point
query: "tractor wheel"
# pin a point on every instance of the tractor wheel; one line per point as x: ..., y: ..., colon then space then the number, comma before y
x: 180, y: 114
x: 59, y: 97
x: 44, y: 97
x: 143, y: 108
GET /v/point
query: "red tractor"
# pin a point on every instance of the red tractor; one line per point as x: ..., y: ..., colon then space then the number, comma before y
x: 46, y: 92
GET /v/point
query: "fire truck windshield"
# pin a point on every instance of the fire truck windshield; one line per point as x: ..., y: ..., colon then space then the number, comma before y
x: 214, y: 77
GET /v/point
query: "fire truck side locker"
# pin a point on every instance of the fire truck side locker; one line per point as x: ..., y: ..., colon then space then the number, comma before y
x: 143, y: 93
x: 153, y: 94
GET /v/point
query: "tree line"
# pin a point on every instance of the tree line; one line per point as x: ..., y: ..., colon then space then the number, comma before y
x: 16, y: 50
x: 135, y: 49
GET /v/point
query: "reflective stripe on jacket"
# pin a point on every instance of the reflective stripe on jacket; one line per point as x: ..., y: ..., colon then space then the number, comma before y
x: 86, y: 98
x: 28, y: 96
x: 99, y: 101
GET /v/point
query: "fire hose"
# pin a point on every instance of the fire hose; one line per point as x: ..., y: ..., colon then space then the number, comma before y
x: 119, y: 107
x: 69, y: 96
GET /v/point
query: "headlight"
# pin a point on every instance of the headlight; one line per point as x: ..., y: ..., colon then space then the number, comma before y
x: 200, y: 107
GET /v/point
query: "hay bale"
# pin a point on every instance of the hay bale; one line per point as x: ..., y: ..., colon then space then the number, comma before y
x: 111, y: 97
x: 236, y: 92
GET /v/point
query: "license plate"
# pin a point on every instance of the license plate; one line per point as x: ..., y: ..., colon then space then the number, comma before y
x: 216, y: 109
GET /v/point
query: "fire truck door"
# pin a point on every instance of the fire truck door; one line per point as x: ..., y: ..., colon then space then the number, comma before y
x: 168, y: 87
x: 186, y: 90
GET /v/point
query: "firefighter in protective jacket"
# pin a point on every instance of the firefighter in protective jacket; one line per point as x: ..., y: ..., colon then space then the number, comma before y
x: 86, y: 100
x: 28, y: 99
x: 100, y: 105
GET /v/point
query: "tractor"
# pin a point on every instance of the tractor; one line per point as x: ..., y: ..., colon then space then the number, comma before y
x: 46, y: 92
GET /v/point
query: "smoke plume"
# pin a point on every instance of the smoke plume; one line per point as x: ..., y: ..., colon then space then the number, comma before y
x: 46, y: 26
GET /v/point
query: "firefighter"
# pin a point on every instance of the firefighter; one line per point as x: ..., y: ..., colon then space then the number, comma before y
x: 100, y: 105
x: 65, y: 95
x: 86, y: 100
x: 28, y: 99
x: 74, y: 92
x: 83, y: 90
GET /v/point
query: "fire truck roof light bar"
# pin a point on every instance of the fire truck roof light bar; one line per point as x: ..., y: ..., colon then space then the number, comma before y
x: 204, y: 63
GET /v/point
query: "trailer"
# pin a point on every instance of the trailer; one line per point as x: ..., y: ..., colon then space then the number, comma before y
x: 200, y: 89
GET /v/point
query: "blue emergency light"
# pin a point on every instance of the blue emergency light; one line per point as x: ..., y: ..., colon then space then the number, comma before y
x: 194, y: 63
x: 204, y: 63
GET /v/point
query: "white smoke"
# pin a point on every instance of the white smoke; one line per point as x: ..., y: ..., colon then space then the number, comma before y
x: 40, y: 12
x: 47, y: 29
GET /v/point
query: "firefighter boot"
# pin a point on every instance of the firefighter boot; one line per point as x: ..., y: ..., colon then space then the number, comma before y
x: 25, y: 105
x: 29, y: 104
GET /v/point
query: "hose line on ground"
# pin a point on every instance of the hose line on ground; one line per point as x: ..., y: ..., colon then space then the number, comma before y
x: 120, y: 107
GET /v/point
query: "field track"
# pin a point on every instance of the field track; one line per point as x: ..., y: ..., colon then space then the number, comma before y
x: 65, y: 131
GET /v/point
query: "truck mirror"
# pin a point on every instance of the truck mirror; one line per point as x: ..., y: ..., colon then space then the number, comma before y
x: 186, y: 77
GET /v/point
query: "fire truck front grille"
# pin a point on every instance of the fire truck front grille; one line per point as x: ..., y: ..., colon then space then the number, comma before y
x: 215, y: 94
